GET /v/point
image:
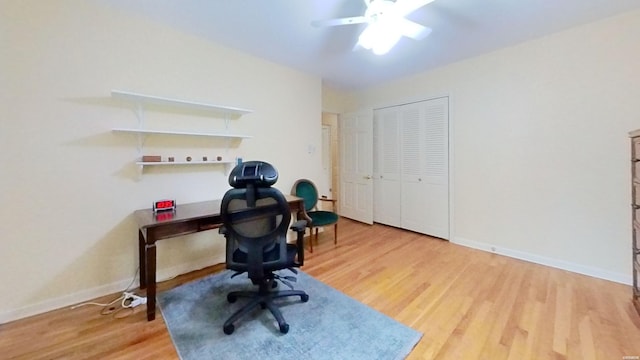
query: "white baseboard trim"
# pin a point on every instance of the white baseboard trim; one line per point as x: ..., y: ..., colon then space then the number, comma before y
x: 542, y: 260
x: 89, y: 294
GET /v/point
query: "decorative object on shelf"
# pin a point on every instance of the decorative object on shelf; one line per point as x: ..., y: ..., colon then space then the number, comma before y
x: 151, y: 158
x: 219, y: 158
x: 171, y: 159
x: 188, y: 158
x: 204, y: 158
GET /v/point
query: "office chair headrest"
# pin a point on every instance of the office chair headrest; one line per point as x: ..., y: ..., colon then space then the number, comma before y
x: 253, y: 174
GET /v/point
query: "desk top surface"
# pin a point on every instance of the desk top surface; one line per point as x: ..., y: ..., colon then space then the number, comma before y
x: 185, y: 212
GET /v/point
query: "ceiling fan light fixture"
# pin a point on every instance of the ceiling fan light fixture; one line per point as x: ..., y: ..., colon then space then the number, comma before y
x: 386, y: 24
x: 380, y: 36
x: 368, y: 37
x: 386, y: 43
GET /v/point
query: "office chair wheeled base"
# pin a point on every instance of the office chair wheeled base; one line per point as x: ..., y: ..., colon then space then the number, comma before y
x: 263, y: 297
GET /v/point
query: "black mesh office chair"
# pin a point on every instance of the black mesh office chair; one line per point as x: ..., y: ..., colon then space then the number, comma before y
x: 255, y: 220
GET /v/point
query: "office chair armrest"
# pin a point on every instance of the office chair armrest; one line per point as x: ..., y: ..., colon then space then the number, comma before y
x: 222, y: 230
x: 299, y: 225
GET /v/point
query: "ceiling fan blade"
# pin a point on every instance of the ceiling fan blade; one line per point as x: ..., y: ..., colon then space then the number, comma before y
x: 406, y: 7
x: 413, y: 30
x: 341, y: 21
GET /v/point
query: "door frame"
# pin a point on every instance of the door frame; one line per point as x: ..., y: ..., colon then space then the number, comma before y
x: 330, y: 119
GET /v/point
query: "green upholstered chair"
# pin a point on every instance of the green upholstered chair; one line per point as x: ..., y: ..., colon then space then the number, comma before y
x: 316, y: 218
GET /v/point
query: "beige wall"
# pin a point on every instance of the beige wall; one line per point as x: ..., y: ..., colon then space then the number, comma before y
x: 540, y: 156
x: 337, y: 101
x: 70, y: 184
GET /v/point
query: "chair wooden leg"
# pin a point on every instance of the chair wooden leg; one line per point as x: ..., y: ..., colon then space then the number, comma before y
x: 313, y: 236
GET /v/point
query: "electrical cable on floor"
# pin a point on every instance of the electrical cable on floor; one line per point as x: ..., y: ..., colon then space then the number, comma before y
x: 128, y: 301
x: 98, y: 304
x: 123, y: 313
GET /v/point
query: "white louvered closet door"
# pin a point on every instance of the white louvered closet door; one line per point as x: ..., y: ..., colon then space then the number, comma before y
x: 386, y: 169
x: 426, y: 193
x: 413, y: 167
x: 412, y: 159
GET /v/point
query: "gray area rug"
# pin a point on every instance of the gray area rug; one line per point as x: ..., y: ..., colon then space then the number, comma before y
x: 329, y: 326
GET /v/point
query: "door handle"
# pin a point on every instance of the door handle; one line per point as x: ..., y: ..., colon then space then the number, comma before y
x: 367, y: 177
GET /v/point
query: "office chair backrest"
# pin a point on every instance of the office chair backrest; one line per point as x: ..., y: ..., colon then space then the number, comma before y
x: 269, y: 215
x: 256, y: 218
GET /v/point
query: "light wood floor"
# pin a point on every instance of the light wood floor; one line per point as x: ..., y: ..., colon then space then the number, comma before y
x: 469, y: 305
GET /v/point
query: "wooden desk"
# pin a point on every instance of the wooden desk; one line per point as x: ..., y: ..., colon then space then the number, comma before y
x: 187, y: 219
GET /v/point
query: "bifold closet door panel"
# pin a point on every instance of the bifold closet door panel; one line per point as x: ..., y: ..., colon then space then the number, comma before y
x: 411, y: 166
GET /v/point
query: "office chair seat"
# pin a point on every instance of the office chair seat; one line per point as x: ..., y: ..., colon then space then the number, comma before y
x: 240, y: 256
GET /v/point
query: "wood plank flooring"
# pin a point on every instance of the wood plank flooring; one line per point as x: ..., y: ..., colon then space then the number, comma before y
x: 468, y: 304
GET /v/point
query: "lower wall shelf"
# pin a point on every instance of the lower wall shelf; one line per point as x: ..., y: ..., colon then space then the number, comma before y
x: 227, y: 165
x: 169, y: 163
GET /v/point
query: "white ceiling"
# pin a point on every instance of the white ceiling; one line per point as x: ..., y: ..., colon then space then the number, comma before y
x: 280, y: 31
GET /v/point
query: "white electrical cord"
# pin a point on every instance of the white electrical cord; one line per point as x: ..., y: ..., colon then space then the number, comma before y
x: 126, y: 297
x: 97, y: 304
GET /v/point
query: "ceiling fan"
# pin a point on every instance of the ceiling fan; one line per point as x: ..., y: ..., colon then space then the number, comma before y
x: 386, y: 24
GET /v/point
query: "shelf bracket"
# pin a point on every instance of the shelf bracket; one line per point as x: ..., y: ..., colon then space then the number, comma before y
x: 140, y: 170
x: 141, y: 138
x: 226, y: 121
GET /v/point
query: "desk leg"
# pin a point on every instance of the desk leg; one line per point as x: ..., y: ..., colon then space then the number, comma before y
x: 150, y: 251
x: 142, y: 260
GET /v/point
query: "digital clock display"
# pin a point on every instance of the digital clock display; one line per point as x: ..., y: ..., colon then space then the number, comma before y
x: 164, y: 205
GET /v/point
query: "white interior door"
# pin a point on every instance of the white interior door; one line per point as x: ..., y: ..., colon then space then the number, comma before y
x: 356, y: 166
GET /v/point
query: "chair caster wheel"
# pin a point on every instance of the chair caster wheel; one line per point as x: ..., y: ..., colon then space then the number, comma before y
x: 304, y: 298
x: 228, y: 329
x: 231, y: 299
x: 284, y: 328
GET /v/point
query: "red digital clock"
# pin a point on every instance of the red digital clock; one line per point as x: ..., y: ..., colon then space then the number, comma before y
x: 164, y: 205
